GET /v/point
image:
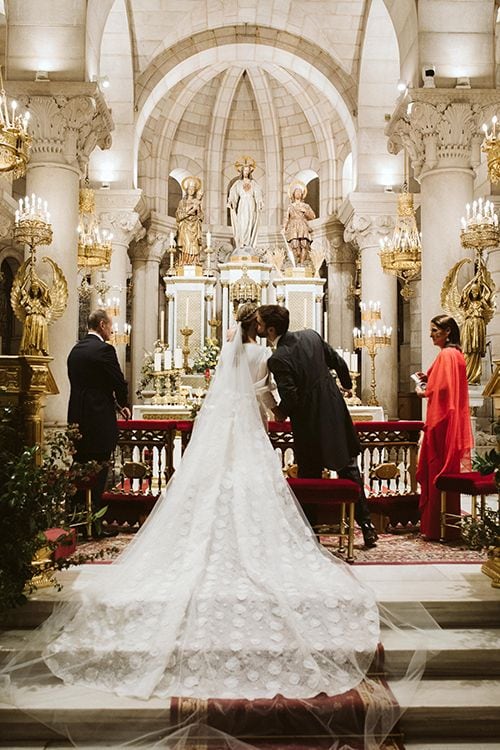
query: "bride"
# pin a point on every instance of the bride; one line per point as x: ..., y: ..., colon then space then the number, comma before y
x: 224, y: 592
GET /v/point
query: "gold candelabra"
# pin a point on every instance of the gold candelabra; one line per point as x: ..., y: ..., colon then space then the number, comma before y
x: 371, y: 339
x: 15, y: 140
x: 186, y: 333
x: 167, y: 387
x: 479, y: 226
x: 32, y: 225
x: 401, y: 255
x: 123, y: 339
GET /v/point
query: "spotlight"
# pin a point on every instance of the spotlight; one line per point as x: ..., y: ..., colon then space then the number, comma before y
x: 104, y: 82
x: 402, y: 87
x: 428, y: 73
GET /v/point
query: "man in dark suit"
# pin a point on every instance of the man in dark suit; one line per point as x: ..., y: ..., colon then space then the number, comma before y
x: 323, y: 432
x: 98, y: 389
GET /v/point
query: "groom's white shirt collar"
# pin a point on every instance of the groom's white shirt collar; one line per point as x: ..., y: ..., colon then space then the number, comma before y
x: 275, y: 342
x: 94, y: 333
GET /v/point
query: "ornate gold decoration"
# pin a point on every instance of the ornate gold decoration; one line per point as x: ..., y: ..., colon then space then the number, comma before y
x: 372, y: 339
x: 32, y: 222
x: 480, y: 226
x: 245, y: 161
x: 244, y: 289
x: 186, y: 332
x: 37, y: 305
x: 120, y: 339
x: 473, y: 307
x: 94, y: 245
x: 15, y: 140
x: 402, y: 254
x: 491, y: 147
x: 187, y: 180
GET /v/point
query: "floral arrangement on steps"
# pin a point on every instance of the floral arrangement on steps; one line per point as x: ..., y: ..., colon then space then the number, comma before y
x: 34, y: 487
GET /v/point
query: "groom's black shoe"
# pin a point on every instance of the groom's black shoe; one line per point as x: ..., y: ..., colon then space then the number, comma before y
x: 370, y: 536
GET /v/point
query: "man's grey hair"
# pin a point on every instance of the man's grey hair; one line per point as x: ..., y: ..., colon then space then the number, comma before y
x: 96, y: 317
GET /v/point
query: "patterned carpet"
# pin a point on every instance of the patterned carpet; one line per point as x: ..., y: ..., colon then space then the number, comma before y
x: 402, y: 548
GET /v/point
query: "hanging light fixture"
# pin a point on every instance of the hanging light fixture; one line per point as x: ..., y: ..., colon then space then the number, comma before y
x: 401, y: 255
x: 15, y: 141
x: 94, y: 244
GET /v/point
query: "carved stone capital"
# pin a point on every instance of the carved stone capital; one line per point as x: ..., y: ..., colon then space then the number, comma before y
x: 125, y: 226
x: 68, y: 120
x: 367, y: 230
x: 440, y: 127
x: 150, y: 248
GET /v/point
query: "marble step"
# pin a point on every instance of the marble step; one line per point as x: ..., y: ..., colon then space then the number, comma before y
x: 440, y: 709
x: 460, y: 652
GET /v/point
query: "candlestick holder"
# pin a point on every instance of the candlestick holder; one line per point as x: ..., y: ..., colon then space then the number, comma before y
x: 186, y: 333
x: 372, y: 341
x: 208, y: 270
x: 171, y: 271
x: 214, y: 324
x: 354, y: 399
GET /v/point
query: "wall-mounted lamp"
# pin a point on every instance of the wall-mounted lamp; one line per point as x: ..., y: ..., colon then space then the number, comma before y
x: 428, y: 73
x: 42, y: 75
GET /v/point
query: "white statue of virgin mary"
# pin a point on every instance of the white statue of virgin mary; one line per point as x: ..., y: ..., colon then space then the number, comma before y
x: 245, y: 203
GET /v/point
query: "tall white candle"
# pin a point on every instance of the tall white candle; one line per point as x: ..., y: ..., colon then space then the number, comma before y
x: 171, y: 239
x: 354, y: 362
x: 167, y: 359
x: 162, y: 326
x: 209, y: 239
x: 178, y: 359
x: 157, y: 362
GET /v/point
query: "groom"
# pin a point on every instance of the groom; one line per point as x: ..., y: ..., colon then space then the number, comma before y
x: 323, y: 432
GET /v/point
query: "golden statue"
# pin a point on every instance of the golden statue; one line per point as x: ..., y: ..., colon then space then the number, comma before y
x: 473, y: 307
x: 37, y: 305
x: 189, y: 216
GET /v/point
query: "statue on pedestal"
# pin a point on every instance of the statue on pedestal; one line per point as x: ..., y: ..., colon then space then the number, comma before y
x: 189, y: 216
x: 245, y: 203
x: 296, y: 228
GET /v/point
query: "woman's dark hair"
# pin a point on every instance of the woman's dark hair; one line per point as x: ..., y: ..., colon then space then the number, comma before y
x: 447, y: 323
x: 276, y: 316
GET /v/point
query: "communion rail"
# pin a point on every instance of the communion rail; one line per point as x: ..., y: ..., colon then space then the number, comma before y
x: 149, y: 450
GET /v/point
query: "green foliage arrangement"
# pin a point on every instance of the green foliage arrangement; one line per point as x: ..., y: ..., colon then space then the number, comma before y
x: 484, y: 532
x: 147, y: 373
x: 32, y: 499
x: 207, y: 357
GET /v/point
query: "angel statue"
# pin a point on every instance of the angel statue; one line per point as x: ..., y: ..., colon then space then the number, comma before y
x: 36, y: 305
x: 473, y: 307
x: 296, y: 226
x: 189, y: 216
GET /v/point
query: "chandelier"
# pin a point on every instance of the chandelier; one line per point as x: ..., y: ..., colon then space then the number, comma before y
x: 15, y: 141
x: 402, y: 254
x: 245, y: 289
x: 480, y: 226
x: 94, y: 244
x: 491, y: 147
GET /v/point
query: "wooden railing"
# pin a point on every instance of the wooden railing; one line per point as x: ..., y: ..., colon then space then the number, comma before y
x: 387, y: 461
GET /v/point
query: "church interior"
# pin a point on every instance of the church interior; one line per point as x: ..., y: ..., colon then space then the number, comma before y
x: 168, y: 161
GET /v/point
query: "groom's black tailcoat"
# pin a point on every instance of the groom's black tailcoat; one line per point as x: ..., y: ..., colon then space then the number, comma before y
x: 97, y: 385
x: 324, y: 435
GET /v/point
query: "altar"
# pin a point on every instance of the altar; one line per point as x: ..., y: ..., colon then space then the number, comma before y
x: 183, y: 411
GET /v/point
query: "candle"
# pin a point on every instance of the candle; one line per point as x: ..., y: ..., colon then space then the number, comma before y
x: 209, y: 240
x: 167, y: 359
x: 171, y: 239
x: 354, y: 362
x: 346, y: 356
x: 187, y: 311
x: 157, y: 362
x: 162, y: 326
x: 178, y: 358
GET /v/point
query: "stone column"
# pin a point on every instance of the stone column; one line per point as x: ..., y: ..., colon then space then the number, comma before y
x: 440, y: 129
x: 115, y: 210
x: 371, y: 220
x: 146, y: 256
x: 67, y: 121
x: 341, y: 304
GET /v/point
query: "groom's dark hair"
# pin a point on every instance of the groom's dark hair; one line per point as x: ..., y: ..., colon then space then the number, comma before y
x: 276, y: 316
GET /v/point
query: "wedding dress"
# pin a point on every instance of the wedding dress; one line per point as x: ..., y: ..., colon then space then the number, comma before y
x: 224, y: 592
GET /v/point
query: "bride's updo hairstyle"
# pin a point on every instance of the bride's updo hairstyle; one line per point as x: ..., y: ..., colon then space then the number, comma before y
x: 246, y: 315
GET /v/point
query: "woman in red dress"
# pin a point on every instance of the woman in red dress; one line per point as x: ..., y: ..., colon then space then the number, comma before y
x: 447, y: 431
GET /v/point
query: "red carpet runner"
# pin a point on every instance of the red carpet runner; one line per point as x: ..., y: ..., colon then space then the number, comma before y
x: 292, y: 724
